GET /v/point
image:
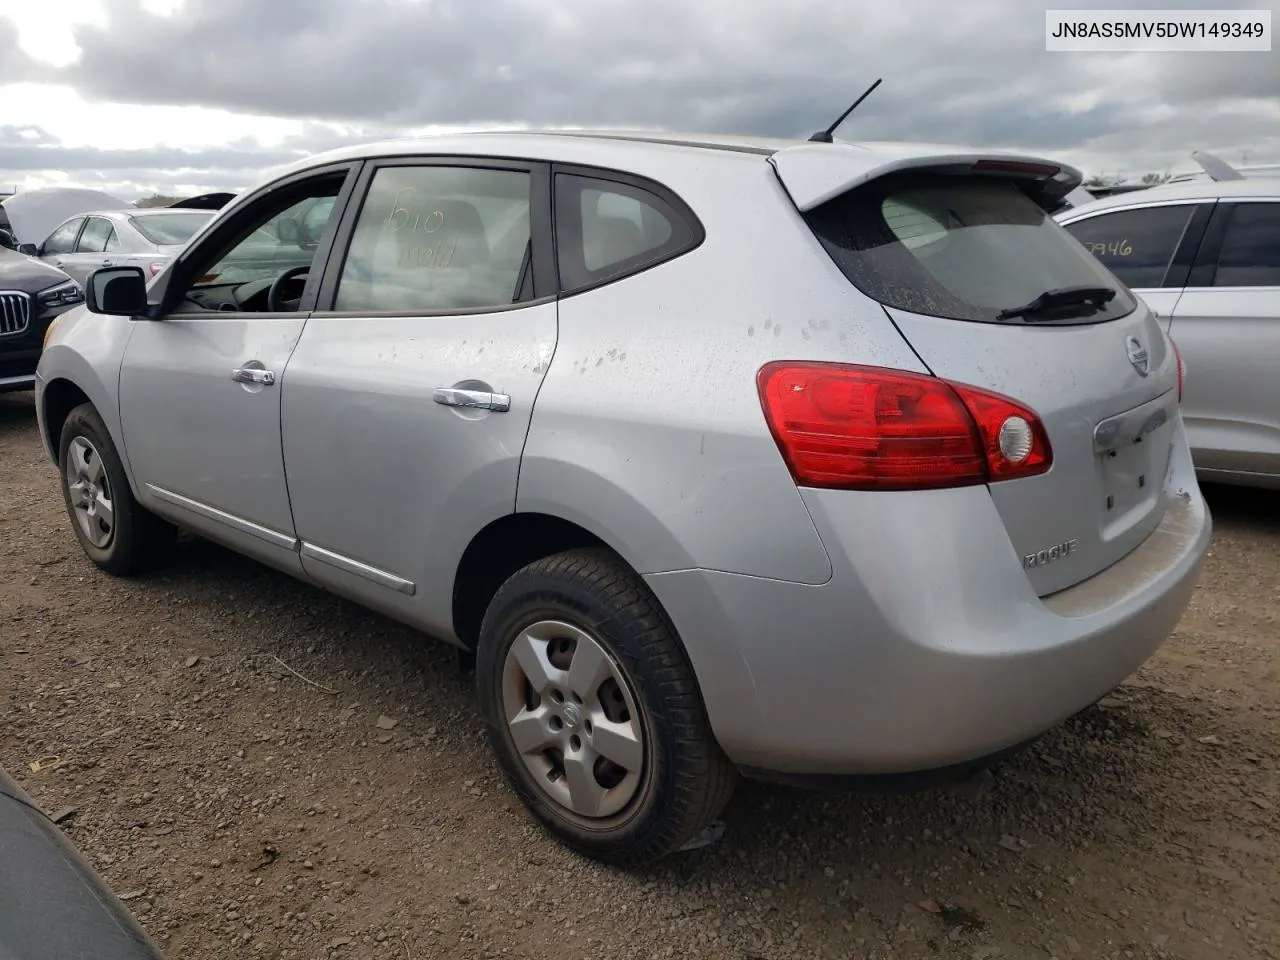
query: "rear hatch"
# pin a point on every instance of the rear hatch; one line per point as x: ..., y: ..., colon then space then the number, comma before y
x: 960, y: 253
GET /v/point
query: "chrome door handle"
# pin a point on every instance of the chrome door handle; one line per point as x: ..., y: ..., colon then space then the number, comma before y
x: 476, y: 399
x: 253, y: 375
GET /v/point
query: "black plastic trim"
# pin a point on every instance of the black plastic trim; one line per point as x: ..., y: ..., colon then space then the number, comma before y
x: 1184, y: 256
x: 891, y: 783
x: 1205, y: 268
x: 536, y: 286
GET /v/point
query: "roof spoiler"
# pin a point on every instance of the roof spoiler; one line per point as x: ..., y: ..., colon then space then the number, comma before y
x: 814, y: 173
x: 1217, y: 168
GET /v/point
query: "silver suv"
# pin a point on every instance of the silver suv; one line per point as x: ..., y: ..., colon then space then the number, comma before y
x: 1205, y: 255
x: 802, y: 459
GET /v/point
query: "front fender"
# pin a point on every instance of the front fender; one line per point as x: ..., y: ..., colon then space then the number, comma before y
x: 86, y: 351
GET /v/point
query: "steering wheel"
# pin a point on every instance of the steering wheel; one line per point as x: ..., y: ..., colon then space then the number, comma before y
x: 275, y: 296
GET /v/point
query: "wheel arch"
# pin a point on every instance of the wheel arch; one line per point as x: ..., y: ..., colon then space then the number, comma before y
x: 59, y: 398
x: 500, y: 549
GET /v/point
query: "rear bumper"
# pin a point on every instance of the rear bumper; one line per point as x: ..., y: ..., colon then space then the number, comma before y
x: 928, y: 648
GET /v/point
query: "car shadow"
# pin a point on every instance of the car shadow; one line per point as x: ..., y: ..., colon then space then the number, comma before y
x: 1243, y: 508
x: 1103, y: 793
x: 1075, y: 777
x: 17, y: 412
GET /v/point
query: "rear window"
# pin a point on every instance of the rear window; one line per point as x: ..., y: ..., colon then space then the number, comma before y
x: 965, y: 248
x: 171, y: 229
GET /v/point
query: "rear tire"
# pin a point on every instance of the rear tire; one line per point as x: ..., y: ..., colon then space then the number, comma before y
x: 116, y: 532
x: 616, y: 755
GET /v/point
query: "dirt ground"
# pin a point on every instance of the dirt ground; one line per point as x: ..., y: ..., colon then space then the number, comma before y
x: 244, y: 812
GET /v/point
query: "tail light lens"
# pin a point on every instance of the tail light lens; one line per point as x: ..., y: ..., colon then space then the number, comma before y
x: 866, y: 428
x: 1182, y: 367
x: 157, y: 267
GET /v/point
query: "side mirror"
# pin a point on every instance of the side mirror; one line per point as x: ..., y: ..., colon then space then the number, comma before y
x: 289, y: 231
x: 117, y: 291
x: 30, y: 249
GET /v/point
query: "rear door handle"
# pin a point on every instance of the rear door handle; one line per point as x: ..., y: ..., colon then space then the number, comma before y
x: 254, y: 375
x: 475, y: 399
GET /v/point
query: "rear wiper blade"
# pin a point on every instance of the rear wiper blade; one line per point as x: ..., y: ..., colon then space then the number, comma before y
x: 1062, y: 297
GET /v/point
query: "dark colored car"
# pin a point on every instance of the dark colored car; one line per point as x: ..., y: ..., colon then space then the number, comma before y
x: 53, y: 906
x: 32, y: 293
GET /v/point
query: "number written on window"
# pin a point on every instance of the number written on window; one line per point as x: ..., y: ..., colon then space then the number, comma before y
x: 1116, y: 248
x: 437, y: 238
x: 1136, y: 245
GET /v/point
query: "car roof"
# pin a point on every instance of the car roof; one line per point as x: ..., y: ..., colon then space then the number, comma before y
x: 127, y: 212
x: 163, y: 211
x: 1186, y: 190
x: 599, y: 147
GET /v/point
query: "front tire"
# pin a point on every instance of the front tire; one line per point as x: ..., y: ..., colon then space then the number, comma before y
x: 117, y: 533
x: 593, y: 711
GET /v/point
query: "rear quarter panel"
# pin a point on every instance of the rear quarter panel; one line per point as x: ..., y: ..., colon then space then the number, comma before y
x: 648, y: 430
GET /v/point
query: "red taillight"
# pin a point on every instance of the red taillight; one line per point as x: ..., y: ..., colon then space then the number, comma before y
x: 1182, y: 367
x: 865, y: 428
x: 157, y: 267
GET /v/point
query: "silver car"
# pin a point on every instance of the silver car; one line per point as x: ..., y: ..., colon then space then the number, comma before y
x: 143, y: 237
x: 1205, y: 255
x: 805, y: 460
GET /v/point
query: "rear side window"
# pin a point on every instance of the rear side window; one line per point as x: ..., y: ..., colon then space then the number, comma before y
x: 172, y: 229
x: 1136, y: 245
x: 98, y: 236
x: 1250, y: 255
x: 965, y: 248
x: 607, y: 229
x: 437, y: 238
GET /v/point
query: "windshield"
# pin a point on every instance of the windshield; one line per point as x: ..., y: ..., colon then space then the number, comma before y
x: 171, y: 229
x: 965, y: 248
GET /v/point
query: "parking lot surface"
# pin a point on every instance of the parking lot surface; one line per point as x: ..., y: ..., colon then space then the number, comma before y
x: 261, y: 769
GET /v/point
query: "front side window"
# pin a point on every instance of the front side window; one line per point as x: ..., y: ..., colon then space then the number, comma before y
x: 437, y: 238
x: 63, y: 239
x: 265, y: 262
x: 97, y: 236
x: 1136, y: 245
x: 606, y: 230
x: 1250, y: 255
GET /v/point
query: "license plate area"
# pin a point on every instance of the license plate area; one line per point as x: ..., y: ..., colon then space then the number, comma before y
x: 1133, y: 457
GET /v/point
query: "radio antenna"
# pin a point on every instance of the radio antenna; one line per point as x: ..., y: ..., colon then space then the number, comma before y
x: 824, y: 136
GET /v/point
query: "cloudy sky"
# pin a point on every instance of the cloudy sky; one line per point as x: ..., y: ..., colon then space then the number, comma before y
x: 140, y: 96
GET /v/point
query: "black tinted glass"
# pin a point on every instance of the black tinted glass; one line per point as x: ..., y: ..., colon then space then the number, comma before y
x: 1250, y: 255
x: 965, y: 248
x: 1136, y: 245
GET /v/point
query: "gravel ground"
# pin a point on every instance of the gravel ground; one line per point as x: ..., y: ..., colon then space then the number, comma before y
x: 243, y: 811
